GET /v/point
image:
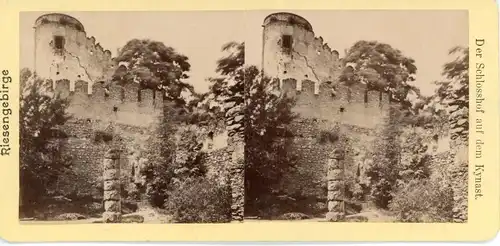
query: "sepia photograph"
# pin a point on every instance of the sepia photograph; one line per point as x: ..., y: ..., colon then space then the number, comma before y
x: 131, y: 117
x: 357, y: 116
x: 259, y: 121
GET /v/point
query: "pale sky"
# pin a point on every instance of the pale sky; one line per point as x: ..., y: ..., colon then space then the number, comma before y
x: 198, y: 35
x: 425, y: 36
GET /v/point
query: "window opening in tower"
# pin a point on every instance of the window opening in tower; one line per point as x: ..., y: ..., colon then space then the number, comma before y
x: 287, y: 42
x: 59, y: 42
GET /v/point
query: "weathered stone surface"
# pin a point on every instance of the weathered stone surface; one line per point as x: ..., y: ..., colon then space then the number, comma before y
x: 238, y: 118
x: 234, y: 110
x: 112, y: 154
x: 111, y: 195
x: 338, y: 154
x: 335, y: 206
x: 233, y: 127
x: 111, y: 217
x: 335, y: 164
x: 111, y: 185
x: 112, y: 206
x: 111, y: 164
x: 335, y: 217
x: 335, y: 195
x: 237, y: 179
x: 70, y: 216
x: 335, y: 185
x: 111, y: 174
x: 336, y: 174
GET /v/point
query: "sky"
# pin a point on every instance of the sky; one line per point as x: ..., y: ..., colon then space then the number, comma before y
x: 425, y: 35
x: 198, y: 35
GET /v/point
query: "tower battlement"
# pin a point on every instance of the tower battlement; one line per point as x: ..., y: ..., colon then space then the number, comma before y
x: 63, y: 51
x: 291, y: 50
x: 309, y: 71
x: 59, y: 19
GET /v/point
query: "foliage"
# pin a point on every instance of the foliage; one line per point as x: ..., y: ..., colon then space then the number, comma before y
x: 174, y: 156
x: 161, y: 153
x: 423, y: 201
x: 267, y: 138
x: 41, y: 161
x: 383, y: 173
x: 189, y: 159
x: 153, y: 65
x: 200, y: 200
x: 327, y: 137
x: 241, y: 88
x: 382, y: 68
x: 227, y: 89
x: 102, y: 136
x: 414, y: 163
x: 453, y: 94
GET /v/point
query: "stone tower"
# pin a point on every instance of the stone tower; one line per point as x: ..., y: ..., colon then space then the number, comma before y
x: 63, y: 51
x: 291, y: 51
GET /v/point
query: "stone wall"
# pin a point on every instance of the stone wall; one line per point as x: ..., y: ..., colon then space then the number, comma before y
x: 310, y: 177
x: 86, y: 146
x: 127, y: 104
x: 307, y: 58
x: 351, y: 105
x: 308, y: 70
x: 63, y: 51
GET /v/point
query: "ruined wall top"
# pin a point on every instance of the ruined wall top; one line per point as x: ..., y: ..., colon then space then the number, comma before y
x: 290, y: 18
x: 61, y: 19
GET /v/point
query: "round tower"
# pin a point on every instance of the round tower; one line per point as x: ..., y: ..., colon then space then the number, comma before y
x: 58, y: 40
x: 286, y: 40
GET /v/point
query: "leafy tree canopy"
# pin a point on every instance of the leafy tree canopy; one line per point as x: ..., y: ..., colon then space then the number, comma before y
x: 153, y: 65
x: 382, y: 68
x: 453, y: 93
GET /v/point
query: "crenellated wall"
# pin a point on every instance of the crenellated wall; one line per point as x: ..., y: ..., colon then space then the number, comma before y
x: 127, y: 104
x: 81, y: 71
x: 309, y: 71
x: 305, y: 68
x: 352, y: 105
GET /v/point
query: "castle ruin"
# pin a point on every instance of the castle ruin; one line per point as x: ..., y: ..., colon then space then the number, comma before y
x: 81, y: 71
x: 308, y: 70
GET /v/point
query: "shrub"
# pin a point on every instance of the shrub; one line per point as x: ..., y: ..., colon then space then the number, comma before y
x: 327, y: 137
x: 200, y: 200
x: 42, y: 161
x: 423, y: 201
x: 102, y: 136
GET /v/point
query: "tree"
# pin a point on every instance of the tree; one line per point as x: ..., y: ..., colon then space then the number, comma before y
x: 41, y: 160
x: 241, y: 88
x: 381, y: 67
x: 453, y: 94
x: 153, y: 65
x: 227, y: 90
x: 267, y: 139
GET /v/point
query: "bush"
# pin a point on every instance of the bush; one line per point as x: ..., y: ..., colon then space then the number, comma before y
x: 200, y: 200
x: 101, y: 136
x: 423, y: 201
x: 327, y: 137
x: 42, y: 161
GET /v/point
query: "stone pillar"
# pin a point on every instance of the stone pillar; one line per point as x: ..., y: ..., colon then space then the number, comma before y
x: 335, y: 179
x: 459, y: 180
x: 112, y: 187
x: 237, y: 182
x: 234, y: 127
